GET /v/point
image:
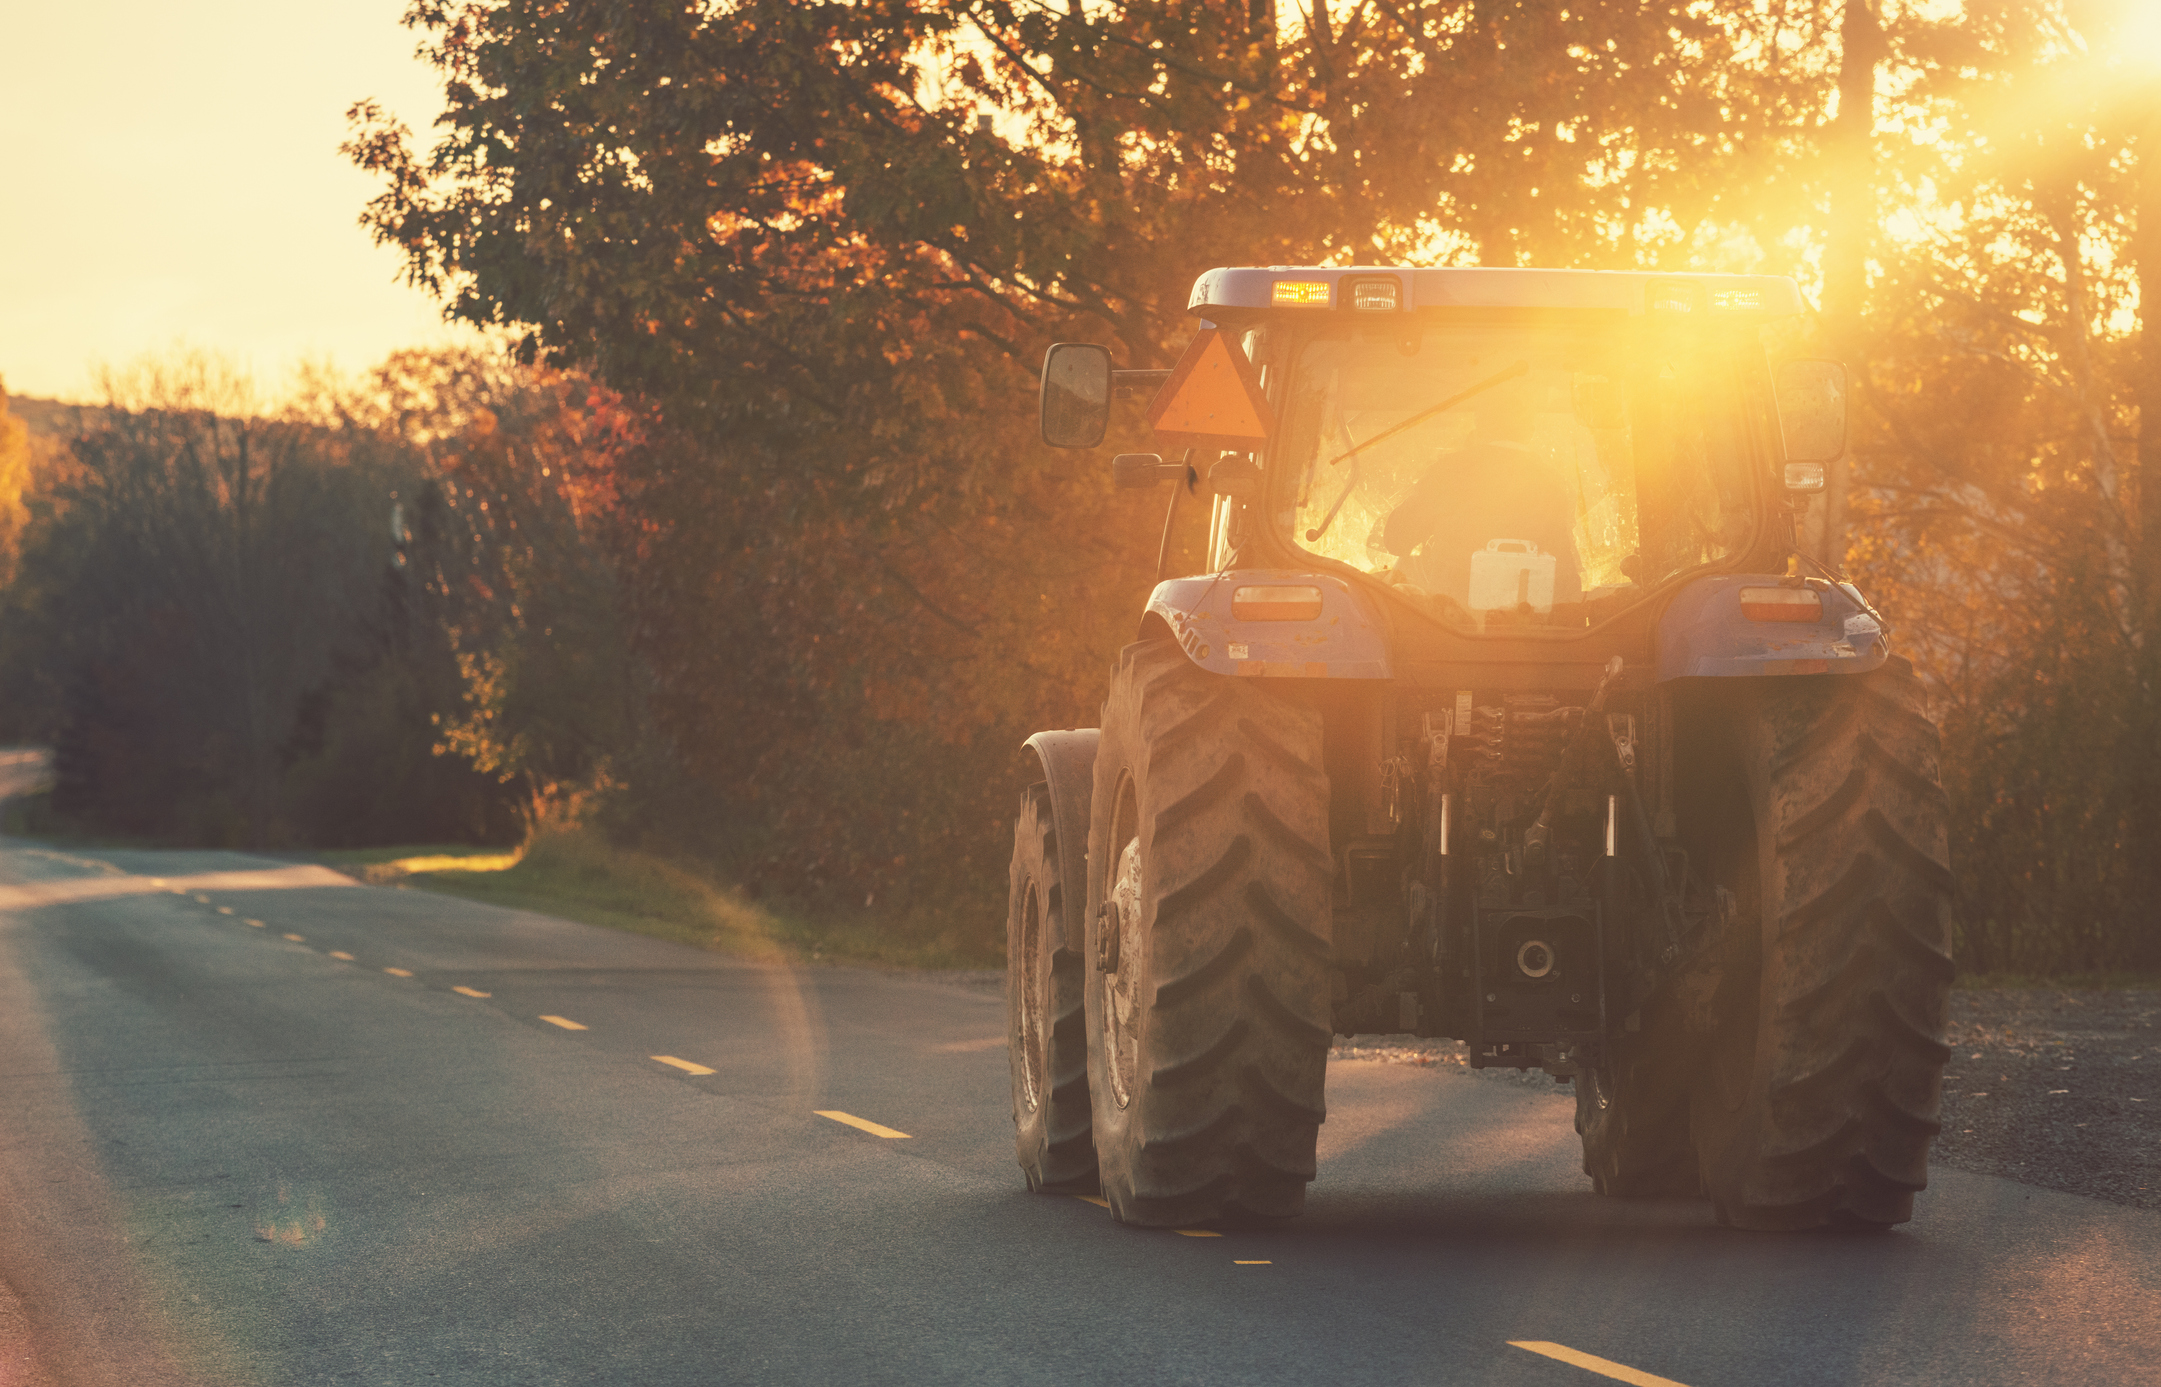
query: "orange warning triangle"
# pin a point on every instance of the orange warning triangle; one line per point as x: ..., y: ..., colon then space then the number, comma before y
x: 1212, y: 399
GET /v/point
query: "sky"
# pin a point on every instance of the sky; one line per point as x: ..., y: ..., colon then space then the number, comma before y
x: 170, y: 176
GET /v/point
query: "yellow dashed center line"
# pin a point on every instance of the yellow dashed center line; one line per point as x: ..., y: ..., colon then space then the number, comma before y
x: 347, y: 957
x: 225, y: 910
x: 565, y: 1022
x: 202, y: 900
x: 257, y: 923
x: 1591, y: 1362
x: 469, y: 992
x: 297, y: 938
x: 399, y: 972
x: 1241, y: 1262
x: 863, y: 1124
x: 1197, y: 1233
x: 1096, y: 1199
x: 685, y: 1065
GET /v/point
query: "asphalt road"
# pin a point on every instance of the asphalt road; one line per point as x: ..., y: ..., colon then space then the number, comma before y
x: 299, y: 1153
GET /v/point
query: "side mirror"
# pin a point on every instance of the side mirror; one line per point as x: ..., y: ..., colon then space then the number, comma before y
x: 1812, y: 415
x: 1235, y: 475
x: 1076, y: 400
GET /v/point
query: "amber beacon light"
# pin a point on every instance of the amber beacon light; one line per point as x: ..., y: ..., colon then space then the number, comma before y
x: 1300, y: 293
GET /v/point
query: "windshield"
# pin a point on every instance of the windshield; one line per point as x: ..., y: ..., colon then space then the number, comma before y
x: 1518, y: 475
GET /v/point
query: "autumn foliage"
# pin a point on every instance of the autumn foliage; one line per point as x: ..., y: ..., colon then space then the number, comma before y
x: 822, y: 246
x: 755, y: 556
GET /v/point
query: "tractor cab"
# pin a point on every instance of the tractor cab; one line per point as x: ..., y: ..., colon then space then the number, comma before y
x: 1505, y: 452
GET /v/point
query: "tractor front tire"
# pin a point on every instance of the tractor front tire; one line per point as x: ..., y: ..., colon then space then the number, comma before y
x: 1208, y: 893
x: 1823, y: 1083
x: 1046, y: 1035
x: 1632, y: 1112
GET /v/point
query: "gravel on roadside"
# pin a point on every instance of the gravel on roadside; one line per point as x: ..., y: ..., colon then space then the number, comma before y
x: 2049, y: 1086
x: 1449, y: 1056
x: 2057, y: 1087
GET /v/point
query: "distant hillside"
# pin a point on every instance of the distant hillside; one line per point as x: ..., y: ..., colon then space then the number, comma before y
x: 52, y: 418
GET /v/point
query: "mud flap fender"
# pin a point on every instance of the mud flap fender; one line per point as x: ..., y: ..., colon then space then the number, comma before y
x: 1707, y: 630
x: 1343, y: 636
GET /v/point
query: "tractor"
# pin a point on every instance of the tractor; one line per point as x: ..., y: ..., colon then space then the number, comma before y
x: 1507, y: 710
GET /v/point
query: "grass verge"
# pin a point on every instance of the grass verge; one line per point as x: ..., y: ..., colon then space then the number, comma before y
x: 2071, y: 982
x: 580, y: 876
x: 31, y: 815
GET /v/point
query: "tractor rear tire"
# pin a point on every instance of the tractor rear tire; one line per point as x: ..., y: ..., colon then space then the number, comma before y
x: 1046, y: 1033
x: 1209, y: 899
x: 1823, y: 1082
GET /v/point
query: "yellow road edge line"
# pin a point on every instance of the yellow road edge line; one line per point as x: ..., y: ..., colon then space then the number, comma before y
x: 1195, y: 1233
x: 1591, y: 1362
x: 470, y: 992
x: 399, y: 972
x: 297, y: 938
x: 865, y: 1124
x: 1240, y: 1262
x: 1096, y: 1199
x: 685, y: 1065
x: 565, y: 1022
x: 334, y: 953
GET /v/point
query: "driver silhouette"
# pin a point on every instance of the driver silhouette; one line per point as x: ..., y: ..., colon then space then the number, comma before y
x: 1495, y: 487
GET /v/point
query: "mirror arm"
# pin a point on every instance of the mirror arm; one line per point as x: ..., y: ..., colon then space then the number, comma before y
x: 1127, y: 385
x: 1147, y: 469
x: 1163, y: 550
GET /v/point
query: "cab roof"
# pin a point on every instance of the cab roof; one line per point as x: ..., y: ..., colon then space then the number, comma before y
x: 1366, y: 289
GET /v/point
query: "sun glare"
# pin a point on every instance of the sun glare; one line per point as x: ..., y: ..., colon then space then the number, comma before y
x: 2138, y: 40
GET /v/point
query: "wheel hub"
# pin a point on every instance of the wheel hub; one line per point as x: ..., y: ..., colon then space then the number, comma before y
x: 1121, y: 989
x: 1029, y: 1014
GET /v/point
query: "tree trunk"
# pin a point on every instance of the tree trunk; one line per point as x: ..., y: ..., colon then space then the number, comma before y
x: 2146, y: 385
x: 1853, y: 228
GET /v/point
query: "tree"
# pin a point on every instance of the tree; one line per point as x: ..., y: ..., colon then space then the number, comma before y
x: 202, y: 626
x: 15, y: 475
x: 818, y: 248
x: 2001, y: 480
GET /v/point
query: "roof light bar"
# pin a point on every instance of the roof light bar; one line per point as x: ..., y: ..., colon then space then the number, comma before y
x: 1673, y: 296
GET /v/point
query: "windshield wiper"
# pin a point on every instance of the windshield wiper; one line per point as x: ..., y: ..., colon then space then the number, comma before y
x: 1349, y: 483
x: 1507, y: 373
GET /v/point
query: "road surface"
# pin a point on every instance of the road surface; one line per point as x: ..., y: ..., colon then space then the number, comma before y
x: 259, y: 1125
